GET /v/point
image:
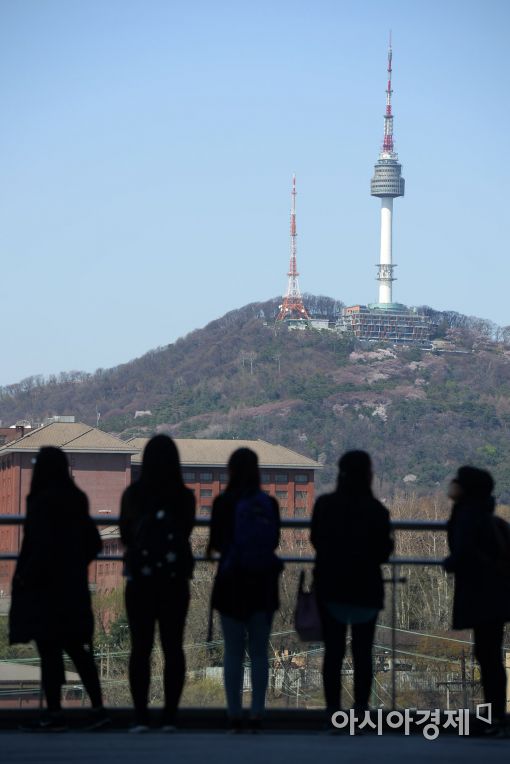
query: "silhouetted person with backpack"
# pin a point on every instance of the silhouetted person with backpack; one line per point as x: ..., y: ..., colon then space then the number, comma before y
x: 480, y: 560
x: 352, y: 537
x: 245, y: 529
x: 156, y: 521
x: 50, y: 592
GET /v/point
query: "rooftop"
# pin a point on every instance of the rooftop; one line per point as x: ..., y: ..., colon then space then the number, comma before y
x: 70, y: 436
x: 214, y: 452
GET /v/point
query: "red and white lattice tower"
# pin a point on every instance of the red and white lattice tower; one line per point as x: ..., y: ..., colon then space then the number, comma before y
x: 292, y: 306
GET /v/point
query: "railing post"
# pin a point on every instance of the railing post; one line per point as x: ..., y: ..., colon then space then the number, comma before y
x: 394, y: 581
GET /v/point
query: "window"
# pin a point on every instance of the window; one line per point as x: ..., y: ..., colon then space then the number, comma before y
x: 205, y: 511
x: 301, y: 478
x: 300, y: 512
x: 265, y: 478
x: 301, y: 495
x: 188, y: 477
x: 223, y: 477
x: 206, y: 477
x: 206, y: 492
x: 281, y: 494
x: 281, y: 477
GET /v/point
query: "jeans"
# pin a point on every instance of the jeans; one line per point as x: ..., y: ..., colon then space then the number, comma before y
x: 165, y: 602
x: 257, y: 627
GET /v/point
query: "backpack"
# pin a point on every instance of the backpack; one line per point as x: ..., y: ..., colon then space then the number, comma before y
x: 256, y: 531
x: 157, y: 546
x: 502, y: 534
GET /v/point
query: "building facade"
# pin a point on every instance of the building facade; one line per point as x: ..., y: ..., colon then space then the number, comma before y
x: 100, y: 465
x: 285, y: 474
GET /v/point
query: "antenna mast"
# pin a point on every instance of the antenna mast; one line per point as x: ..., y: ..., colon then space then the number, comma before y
x: 292, y: 306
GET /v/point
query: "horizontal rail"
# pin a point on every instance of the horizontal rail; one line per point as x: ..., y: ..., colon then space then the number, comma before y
x: 286, y: 522
x: 308, y: 559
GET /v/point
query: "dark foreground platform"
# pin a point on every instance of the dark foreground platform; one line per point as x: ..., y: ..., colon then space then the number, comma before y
x: 194, y: 747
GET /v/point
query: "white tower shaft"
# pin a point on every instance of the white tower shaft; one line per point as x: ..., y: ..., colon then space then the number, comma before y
x: 385, y: 259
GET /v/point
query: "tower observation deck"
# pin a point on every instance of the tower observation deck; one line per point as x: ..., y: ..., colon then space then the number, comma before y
x: 387, y: 183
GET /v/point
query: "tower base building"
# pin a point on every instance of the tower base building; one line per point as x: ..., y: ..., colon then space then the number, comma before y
x: 388, y: 322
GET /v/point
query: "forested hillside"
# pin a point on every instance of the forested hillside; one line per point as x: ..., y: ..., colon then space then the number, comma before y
x: 419, y: 413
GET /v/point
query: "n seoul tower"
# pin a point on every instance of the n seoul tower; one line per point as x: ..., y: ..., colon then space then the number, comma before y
x: 387, y: 184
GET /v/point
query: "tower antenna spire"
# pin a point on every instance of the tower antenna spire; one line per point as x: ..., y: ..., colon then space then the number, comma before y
x: 388, y: 117
x: 293, y: 306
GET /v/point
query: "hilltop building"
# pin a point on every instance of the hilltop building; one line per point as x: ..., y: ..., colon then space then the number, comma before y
x: 393, y: 323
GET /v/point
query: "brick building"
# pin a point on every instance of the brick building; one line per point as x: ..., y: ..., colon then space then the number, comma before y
x: 100, y: 465
x: 287, y: 475
x: 103, y: 465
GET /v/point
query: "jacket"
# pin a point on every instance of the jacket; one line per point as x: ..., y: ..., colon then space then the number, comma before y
x: 50, y: 591
x: 481, y: 593
x: 240, y: 594
x: 352, y: 536
x: 135, y: 502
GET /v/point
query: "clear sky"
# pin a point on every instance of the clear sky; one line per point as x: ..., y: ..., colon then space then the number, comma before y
x: 147, y: 149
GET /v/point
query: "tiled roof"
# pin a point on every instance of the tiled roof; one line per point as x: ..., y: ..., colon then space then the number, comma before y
x: 70, y: 436
x: 196, y: 452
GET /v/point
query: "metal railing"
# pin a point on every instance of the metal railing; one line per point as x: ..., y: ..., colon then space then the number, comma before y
x: 298, y: 524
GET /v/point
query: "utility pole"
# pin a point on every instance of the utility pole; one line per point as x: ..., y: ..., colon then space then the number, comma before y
x: 464, y: 679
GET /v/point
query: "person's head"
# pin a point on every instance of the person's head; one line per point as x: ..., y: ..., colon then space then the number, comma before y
x: 243, y: 471
x: 471, y: 483
x: 51, y: 471
x: 161, y: 466
x: 355, y: 472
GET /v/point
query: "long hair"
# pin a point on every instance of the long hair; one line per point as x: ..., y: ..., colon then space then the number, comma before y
x: 244, y: 475
x: 355, y: 473
x: 161, y: 474
x: 51, y: 472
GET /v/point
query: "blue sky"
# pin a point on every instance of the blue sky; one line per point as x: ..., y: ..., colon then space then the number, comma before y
x: 147, y: 149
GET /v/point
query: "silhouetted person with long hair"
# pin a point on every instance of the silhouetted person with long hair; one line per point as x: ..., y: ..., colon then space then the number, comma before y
x: 481, y: 598
x: 156, y: 521
x: 352, y: 537
x: 50, y: 595
x: 245, y: 529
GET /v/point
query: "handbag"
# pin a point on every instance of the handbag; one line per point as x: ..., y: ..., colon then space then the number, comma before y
x: 307, y: 620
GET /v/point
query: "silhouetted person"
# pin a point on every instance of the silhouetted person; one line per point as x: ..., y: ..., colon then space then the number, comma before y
x: 156, y: 521
x: 50, y: 592
x: 352, y: 537
x: 245, y: 529
x: 481, y: 598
